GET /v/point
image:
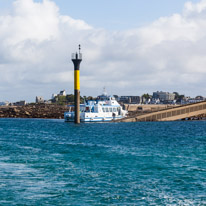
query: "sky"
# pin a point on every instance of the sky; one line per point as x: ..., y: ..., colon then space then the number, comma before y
x: 130, y: 47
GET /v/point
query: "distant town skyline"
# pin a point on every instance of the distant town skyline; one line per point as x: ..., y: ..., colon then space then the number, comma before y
x: 129, y: 48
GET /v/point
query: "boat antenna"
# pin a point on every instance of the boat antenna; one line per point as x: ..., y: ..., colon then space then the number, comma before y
x: 104, y: 91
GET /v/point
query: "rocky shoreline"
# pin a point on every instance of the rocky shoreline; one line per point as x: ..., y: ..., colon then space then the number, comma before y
x: 53, y: 111
x: 44, y: 111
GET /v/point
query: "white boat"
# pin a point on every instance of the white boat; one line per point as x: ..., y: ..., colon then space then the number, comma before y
x: 104, y: 108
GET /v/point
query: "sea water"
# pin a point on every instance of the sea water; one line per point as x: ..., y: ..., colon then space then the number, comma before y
x: 50, y: 162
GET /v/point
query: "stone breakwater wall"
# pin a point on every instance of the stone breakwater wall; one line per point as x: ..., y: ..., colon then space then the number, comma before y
x: 146, y: 107
x: 44, y: 111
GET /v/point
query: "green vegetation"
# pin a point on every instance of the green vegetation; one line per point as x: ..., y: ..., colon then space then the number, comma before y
x: 178, y: 97
x: 147, y: 96
x: 68, y: 99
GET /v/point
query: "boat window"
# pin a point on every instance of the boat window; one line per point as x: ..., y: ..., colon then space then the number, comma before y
x: 114, y: 109
x: 107, y: 109
x: 110, y: 109
x: 103, y: 109
x: 119, y: 110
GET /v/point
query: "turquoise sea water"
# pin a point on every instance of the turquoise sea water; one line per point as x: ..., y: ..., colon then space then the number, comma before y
x: 49, y: 162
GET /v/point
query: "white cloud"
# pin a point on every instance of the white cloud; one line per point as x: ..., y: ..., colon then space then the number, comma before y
x: 36, y: 42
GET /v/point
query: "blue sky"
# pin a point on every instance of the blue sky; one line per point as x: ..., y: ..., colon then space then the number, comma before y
x: 120, y: 14
x: 115, y: 14
x: 130, y: 47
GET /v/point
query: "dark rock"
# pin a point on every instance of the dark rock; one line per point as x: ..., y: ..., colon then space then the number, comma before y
x: 34, y: 111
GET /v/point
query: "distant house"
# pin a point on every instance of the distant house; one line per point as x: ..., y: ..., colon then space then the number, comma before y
x: 4, y: 103
x: 196, y: 99
x: 62, y: 93
x: 189, y: 100
x: 54, y: 95
x: 185, y: 100
x: 39, y: 100
x: 163, y: 96
x: 20, y: 103
x: 130, y: 99
x: 155, y: 101
x: 47, y: 101
x: 201, y: 98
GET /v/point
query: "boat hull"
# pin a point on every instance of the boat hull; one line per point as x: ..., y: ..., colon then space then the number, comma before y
x: 70, y: 118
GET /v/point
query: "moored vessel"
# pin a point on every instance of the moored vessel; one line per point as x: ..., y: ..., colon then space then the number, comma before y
x: 104, y: 108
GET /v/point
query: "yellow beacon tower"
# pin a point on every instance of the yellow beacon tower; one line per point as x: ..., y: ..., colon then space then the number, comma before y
x: 76, y: 59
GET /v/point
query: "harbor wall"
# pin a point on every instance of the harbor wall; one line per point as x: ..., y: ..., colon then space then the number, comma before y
x: 147, y: 107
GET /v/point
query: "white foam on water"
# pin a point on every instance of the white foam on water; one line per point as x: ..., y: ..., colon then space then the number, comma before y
x: 34, y: 149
